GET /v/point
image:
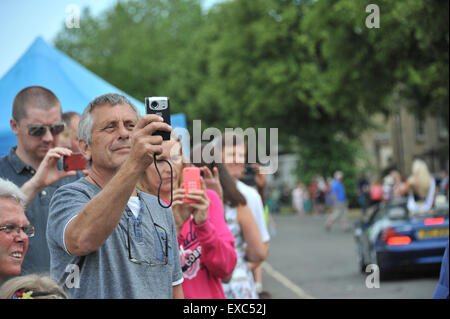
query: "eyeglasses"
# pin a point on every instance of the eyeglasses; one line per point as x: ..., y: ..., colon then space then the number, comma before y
x: 39, y: 130
x: 150, y: 263
x: 10, y: 229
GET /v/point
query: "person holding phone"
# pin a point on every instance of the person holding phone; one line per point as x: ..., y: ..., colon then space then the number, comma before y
x: 34, y: 165
x: 249, y: 245
x: 206, y: 244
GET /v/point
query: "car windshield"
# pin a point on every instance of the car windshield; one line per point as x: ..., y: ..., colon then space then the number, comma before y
x: 396, y: 212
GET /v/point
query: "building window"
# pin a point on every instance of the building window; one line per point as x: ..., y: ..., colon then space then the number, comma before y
x: 442, y: 128
x: 420, y: 130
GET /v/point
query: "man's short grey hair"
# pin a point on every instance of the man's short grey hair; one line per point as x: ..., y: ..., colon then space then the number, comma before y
x: 10, y: 190
x: 87, y: 122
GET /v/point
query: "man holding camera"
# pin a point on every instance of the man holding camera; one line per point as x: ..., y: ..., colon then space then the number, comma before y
x: 33, y: 164
x: 122, y: 242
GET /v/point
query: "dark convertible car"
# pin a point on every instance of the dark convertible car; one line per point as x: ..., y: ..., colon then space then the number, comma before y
x: 391, y: 237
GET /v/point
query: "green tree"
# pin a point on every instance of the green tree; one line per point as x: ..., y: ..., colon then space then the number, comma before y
x: 312, y: 69
x: 407, y: 55
x: 357, y: 72
x: 135, y: 45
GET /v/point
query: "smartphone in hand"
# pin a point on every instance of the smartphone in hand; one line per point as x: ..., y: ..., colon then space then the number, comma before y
x: 74, y: 162
x: 159, y: 105
x: 191, y: 181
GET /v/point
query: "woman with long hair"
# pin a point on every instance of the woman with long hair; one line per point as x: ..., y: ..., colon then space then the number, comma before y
x: 422, y: 188
x: 249, y: 246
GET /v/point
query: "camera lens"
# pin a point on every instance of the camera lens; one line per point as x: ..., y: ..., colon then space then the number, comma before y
x: 154, y: 104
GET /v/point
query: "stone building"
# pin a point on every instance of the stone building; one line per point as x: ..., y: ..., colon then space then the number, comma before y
x: 403, y: 137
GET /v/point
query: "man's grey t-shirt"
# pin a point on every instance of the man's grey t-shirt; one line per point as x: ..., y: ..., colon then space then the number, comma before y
x: 108, y: 272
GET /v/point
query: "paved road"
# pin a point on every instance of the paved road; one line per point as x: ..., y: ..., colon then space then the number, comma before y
x: 305, y: 261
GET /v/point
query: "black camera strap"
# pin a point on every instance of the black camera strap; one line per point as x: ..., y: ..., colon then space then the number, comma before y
x: 161, y: 181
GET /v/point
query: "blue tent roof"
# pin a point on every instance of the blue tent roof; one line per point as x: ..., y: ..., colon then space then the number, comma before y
x: 74, y: 85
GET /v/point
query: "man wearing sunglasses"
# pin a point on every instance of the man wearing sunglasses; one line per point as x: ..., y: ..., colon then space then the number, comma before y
x: 33, y: 164
x: 123, y: 243
x: 14, y: 230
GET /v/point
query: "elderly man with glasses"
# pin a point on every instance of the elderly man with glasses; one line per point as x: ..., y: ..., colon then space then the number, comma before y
x: 107, y: 239
x: 34, y: 164
x: 15, y: 230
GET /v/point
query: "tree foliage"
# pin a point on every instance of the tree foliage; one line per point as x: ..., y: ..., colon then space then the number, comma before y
x: 136, y: 45
x: 313, y: 69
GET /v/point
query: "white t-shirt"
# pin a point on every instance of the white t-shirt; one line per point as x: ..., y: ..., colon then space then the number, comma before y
x: 254, y: 202
x: 135, y: 205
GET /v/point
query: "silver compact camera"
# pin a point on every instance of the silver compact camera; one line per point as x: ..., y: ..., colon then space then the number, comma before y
x: 159, y: 105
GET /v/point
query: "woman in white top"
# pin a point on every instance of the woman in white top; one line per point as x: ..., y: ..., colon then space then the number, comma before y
x: 422, y: 188
x: 249, y: 246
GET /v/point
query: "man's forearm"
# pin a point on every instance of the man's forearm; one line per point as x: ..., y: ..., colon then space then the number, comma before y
x: 98, y: 219
x: 30, y: 189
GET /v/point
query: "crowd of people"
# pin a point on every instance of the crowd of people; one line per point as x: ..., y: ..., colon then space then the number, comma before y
x: 124, y: 227
x: 421, y: 186
x: 318, y: 197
